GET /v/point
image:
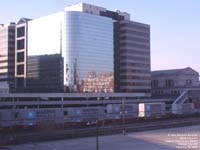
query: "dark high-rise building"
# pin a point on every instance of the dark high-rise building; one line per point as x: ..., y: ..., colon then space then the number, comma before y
x: 131, y: 54
x: 7, y: 57
x: 132, y: 57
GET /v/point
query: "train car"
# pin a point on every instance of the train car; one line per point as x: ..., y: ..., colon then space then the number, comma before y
x: 7, y: 118
x: 83, y: 114
x: 49, y: 115
x: 151, y: 109
x: 30, y: 118
x: 116, y: 111
x: 26, y: 117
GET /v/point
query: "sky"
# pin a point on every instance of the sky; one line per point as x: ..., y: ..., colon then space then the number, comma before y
x: 175, y: 24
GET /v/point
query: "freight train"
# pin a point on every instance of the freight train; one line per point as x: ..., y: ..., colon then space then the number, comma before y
x: 30, y: 118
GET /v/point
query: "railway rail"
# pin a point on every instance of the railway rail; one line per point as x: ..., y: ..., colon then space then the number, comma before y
x: 20, y: 138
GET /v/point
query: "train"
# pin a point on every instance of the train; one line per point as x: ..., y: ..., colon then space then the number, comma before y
x: 32, y: 118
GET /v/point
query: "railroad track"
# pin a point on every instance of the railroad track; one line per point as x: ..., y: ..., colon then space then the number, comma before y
x: 91, y: 131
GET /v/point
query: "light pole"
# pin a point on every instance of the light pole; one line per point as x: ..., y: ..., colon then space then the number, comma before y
x: 97, y: 133
x: 123, y: 112
x: 97, y: 125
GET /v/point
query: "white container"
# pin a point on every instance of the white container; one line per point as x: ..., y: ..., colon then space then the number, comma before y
x: 151, y: 109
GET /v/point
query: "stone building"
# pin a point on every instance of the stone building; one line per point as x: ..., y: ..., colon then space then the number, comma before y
x: 173, y: 82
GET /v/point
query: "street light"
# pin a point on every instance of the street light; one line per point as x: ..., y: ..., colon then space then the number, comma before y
x: 97, y: 125
x: 123, y: 112
x: 97, y: 133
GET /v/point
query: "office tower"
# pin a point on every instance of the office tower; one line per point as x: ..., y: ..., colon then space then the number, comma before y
x: 102, y: 50
x: 131, y: 41
x: 132, y: 71
x: 131, y: 53
x: 85, y: 42
x: 7, y: 57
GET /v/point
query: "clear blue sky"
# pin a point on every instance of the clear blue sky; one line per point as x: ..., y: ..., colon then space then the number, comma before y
x: 175, y: 24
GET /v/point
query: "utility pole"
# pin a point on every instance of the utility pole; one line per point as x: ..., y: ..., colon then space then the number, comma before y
x: 97, y: 125
x: 123, y: 116
x: 97, y: 132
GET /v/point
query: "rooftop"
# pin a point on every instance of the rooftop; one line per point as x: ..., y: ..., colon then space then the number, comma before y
x: 174, y: 71
x: 7, y: 25
x: 92, y: 9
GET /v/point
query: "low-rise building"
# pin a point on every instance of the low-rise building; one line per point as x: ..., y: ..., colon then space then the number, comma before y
x: 173, y: 82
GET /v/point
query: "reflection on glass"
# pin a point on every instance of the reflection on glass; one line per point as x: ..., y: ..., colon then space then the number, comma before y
x: 84, y: 41
x: 101, y: 83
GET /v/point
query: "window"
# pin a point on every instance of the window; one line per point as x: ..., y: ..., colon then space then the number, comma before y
x: 155, y: 83
x: 20, y: 57
x: 20, y: 69
x: 169, y: 83
x: 20, y: 44
x: 20, y: 31
x: 189, y: 82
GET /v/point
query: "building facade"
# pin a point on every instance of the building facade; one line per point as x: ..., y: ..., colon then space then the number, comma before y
x: 21, y: 54
x: 174, y: 82
x: 7, y: 57
x: 85, y: 42
x: 133, y: 58
x: 131, y: 49
x: 44, y: 74
x: 89, y: 54
x: 102, y: 50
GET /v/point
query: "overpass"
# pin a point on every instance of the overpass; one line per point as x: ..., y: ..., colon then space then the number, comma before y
x: 57, y: 100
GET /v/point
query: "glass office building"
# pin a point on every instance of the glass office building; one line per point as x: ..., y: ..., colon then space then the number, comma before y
x: 85, y: 42
x: 102, y: 50
x: 88, y: 48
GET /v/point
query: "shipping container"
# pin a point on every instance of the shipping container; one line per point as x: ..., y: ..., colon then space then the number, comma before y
x: 79, y: 114
x: 116, y: 111
x: 152, y: 109
x: 7, y: 118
